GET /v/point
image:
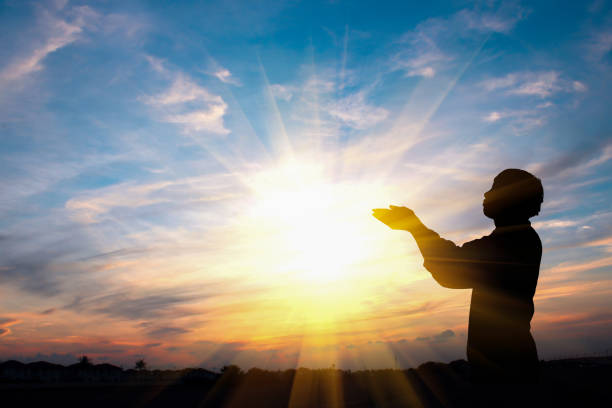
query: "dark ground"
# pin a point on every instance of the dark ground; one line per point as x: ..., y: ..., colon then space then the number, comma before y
x: 583, y: 382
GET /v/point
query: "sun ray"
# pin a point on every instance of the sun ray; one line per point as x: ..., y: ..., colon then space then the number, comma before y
x: 344, y: 55
x: 315, y: 137
x: 248, y: 142
x: 277, y: 134
x: 404, y: 120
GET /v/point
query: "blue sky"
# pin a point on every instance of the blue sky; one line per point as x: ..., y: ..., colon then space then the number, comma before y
x: 149, y: 152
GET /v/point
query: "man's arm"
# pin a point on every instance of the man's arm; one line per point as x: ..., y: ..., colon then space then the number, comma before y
x: 450, y: 265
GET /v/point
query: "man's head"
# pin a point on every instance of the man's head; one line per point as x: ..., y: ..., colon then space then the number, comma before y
x: 515, y: 195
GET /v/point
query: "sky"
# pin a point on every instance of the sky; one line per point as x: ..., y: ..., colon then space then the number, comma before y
x: 192, y: 182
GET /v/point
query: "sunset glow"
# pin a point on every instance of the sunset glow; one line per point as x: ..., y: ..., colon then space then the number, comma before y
x: 192, y: 184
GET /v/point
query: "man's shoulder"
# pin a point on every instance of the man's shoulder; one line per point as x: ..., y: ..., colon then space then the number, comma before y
x: 535, y: 237
x: 480, y: 242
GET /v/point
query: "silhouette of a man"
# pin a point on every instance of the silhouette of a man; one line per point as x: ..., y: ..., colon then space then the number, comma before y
x: 501, y: 269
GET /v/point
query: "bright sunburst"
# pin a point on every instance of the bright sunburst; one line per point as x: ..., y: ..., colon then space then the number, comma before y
x: 313, y: 219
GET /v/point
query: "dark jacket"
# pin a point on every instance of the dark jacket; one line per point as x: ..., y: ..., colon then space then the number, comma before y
x: 502, y: 271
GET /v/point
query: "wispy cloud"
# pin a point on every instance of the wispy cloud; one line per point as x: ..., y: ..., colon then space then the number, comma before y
x: 494, y: 116
x: 128, y: 305
x: 542, y: 84
x: 156, y: 63
x: 5, y: 323
x: 554, y: 224
x: 191, y: 106
x: 599, y: 43
x: 581, y: 159
x: 438, y: 338
x: 354, y: 111
x: 59, y: 27
x: 42, y: 264
x: 521, y: 120
x: 284, y: 92
x: 422, y: 52
x: 421, y: 56
x: 166, y: 332
x: 579, y: 86
x: 57, y: 33
x: 225, y: 76
x: 93, y: 206
x: 328, y: 105
x: 573, y: 267
x: 501, y: 20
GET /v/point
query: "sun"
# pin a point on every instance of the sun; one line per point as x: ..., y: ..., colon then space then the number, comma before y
x: 305, y: 240
x: 310, y: 220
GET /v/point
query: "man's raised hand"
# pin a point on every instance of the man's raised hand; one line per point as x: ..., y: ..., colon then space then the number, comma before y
x: 397, y: 218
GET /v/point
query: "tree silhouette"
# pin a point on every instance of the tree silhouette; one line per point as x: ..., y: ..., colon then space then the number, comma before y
x: 85, y: 361
x: 140, y: 365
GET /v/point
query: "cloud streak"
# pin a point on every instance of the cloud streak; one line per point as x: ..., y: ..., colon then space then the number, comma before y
x: 190, y: 106
x: 354, y: 112
x: 541, y: 84
x: 225, y: 76
x: 57, y: 34
x: 422, y: 55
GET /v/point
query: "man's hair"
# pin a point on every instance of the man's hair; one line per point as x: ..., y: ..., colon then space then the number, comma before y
x: 521, y: 191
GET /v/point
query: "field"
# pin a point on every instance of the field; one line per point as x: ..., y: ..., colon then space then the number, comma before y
x: 576, y: 382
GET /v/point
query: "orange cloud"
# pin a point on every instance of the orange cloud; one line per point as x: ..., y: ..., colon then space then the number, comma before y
x: 5, y: 323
